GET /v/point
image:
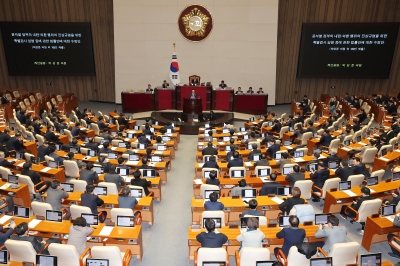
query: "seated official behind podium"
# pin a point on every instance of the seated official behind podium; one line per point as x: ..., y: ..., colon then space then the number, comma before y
x: 222, y: 85
x: 193, y: 95
x: 260, y: 91
x: 239, y: 91
x: 149, y: 89
x: 250, y: 90
x: 165, y: 84
x: 194, y: 82
x: 210, y: 239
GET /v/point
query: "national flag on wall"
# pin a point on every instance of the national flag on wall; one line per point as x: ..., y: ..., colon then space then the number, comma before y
x: 174, y: 70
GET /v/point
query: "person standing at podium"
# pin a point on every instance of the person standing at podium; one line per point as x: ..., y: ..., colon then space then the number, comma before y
x: 193, y: 95
x: 165, y: 84
x: 222, y: 85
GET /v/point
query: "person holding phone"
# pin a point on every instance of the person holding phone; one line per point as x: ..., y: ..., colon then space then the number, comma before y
x: 6, y: 235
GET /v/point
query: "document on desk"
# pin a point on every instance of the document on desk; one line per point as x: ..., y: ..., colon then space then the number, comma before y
x: 289, y: 147
x: 264, y: 179
x: 4, y: 219
x: 106, y: 231
x: 198, y: 181
x: 221, y: 143
x: 350, y: 193
x: 113, y: 148
x: 32, y: 224
x: 321, y: 157
x: 5, y: 186
x: 346, y: 149
x: 371, y: 190
x: 277, y: 200
x: 248, y: 164
x: 126, y: 139
x: 385, y: 159
x: 132, y: 162
x: 152, y: 164
x: 200, y: 143
x: 390, y: 218
x: 158, y: 152
x: 127, y: 179
x: 21, y: 164
x: 298, y: 160
x: 45, y: 170
x: 362, y: 143
x: 200, y: 164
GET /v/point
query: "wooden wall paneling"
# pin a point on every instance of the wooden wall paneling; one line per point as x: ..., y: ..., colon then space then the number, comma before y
x: 100, y: 13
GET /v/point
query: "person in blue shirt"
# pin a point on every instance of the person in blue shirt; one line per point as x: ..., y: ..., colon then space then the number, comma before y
x: 126, y: 200
x: 213, y: 204
x: 292, y: 235
x: 210, y: 239
x: 253, y: 209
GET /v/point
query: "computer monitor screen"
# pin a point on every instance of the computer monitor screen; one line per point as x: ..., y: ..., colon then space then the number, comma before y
x: 92, y: 153
x: 373, y: 180
x: 243, y: 221
x: 35, y: 160
x: 251, y: 119
x: 136, y: 127
x: 166, y: 138
x: 396, y: 176
x: 358, y: 139
x: 100, y: 191
x: 123, y: 171
x: 278, y: 156
x: 208, y: 192
x: 130, y: 135
x: 4, y: 257
x: 287, y: 170
x: 134, y: 157
x: 383, y: 152
x: 245, y: 137
x: 53, y: 216
x: 321, y: 218
x: 217, y: 222
x: 97, y: 262
x: 214, y: 263
x: 67, y: 187
x: 344, y: 185
x: 121, y: 144
x: 228, y: 148
x: 249, y: 193
x: 264, y: 172
x: 249, y: 146
x: 225, y: 130
x: 53, y: 164
x: 137, y: 192
x: 21, y: 212
x: 287, y: 142
x: 312, y: 167
x: 126, y: 221
x: 13, y: 179
x: 28, y: 138
x: 149, y: 137
x: 265, y: 263
x: 149, y: 173
x: 45, y: 260
x: 256, y: 157
x: 169, y: 130
x: 113, y: 133
x: 374, y: 259
x: 142, y: 146
x: 207, y: 125
x: 388, y: 210
x: 318, y: 150
x: 321, y: 261
x: 206, y: 174
x: 242, y: 129
x: 283, y: 191
x: 74, y: 150
x: 298, y: 154
x: 152, y: 130
x: 333, y: 164
x: 290, y: 129
x: 91, y: 219
x: 58, y: 148
x: 237, y: 174
x: 226, y: 139
x: 284, y: 221
x: 112, y: 155
x: 98, y: 169
x: 161, y: 148
x: 346, y: 142
x: 103, y: 141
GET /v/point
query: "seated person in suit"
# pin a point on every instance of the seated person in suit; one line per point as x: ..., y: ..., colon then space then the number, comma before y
x: 213, y: 180
x: 142, y: 139
x: 149, y: 89
x: 263, y: 161
x: 359, y: 168
x: 75, y: 130
x: 229, y: 155
x: 344, y: 170
x: 89, y: 174
x: 50, y: 136
x: 15, y: 143
x: 113, y: 177
x: 106, y: 148
x: 277, y: 126
x: 284, y: 160
x: 326, y: 138
x: 193, y: 95
x: 91, y: 200
x: 92, y: 145
x: 365, y: 191
x: 332, y: 232
x: 209, y: 150
x: 222, y: 85
x: 209, y: 138
x: 211, y: 163
x: 250, y: 90
x: 126, y: 200
x: 253, y: 209
x: 260, y: 91
x: 273, y: 148
x: 270, y: 187
x: 4, y: 162
x: 236, y: 161
x: 332, y: 157
x: 194, y: 82
x: 288, y: 204
x: 210, y: 239
x: 38, y: 244
x: 295, y: 175
x: 237, y: 191
x: 319, y: 177
x: 4, y: 235
x: 165, y: 84
x: 106, y: 134
x: 138, y: 181
x: 4, y: 99
x: 255, y: 151
x: 239, y: 91
x: 55, y: 156
x: 213, y: 204
x: 292, y: 235
x: 101, y: 123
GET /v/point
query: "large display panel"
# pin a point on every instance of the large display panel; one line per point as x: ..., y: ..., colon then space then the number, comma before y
x: 48, y: 48
x: 347, y: 50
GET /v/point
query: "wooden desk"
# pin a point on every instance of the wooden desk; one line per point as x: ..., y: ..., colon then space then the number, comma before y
x: 31, y: 147
x: 20, y: 196
x: 49, y: 175
x: 376, y: 230
x: 384, y: 162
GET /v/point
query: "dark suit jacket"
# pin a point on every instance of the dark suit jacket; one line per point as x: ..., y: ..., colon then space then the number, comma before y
x: 14, y: 144
x: 288, y: 204
x: 332, y: 157
x: 212, y: 181
x: 50, y: 136
x: 344, y: 172
x: 253, y: 152
x: 209, y: 151
x: 141, y: 183
x: 210, y: 164
x: 4, y: 100
x: 4, y: 138
x: 300, y: 119
x: 6, y: 235
x: 35, y: 241
x: 361, y: 170
x: 211, y: 239
x: 361, y: 200
x: 292, y: 178
x: 75, y: 131
x: 325, y: 139
x: 5, y: 163
x: 391, y: 109
x: 36, y: 128
x: 291, y: 236
x: 92, y: 146
x: 91, y: 201
x: 213, y: 206
x: 88, y: 176
x: 42, y: 151
x: 273, y: 149
x: 269, y: 188
x: 35, y: 177
x: 320, y: 177
x: 235, y: 162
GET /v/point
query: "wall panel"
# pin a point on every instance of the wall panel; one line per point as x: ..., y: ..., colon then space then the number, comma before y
x: 100, y: 13
x: 291, y: 16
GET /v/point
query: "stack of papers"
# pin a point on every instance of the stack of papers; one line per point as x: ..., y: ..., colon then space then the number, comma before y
x: 4, y: 219
x: 298, y: 160
x: 106, y: 231
x: 21, y: 164
x: 390, y: 218
x: 113, y: 148
x: 32, y: 224
x: 44, y: 170
x: 200, y: 164
x: 264, y: 179
x: 248, y: 164
x: 198, y: 181
x: 350, y: 193
x: 277, y: 200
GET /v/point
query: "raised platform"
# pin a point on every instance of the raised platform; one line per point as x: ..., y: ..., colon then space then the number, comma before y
x: 186, y: 123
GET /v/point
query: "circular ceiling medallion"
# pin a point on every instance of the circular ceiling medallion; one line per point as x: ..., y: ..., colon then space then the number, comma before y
x: 195, y: 23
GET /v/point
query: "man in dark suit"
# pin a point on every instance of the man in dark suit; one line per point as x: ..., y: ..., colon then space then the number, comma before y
x: 102, y: 125
x: 229, y: 155
x: 391, y: 108
x: 210, y: 239
x: 332, y: 157
x: 365, y: 191
x: 273, y: 148
x: 326, y: 138
x: 165, y: 84
x: 113, y: 177
x: 319, y: 177
x: 292, y: 235
x: 344, y: 171
x: 255, y: 151
x: 222, y: 85
x: 288, y: 204
x: 213, y: 180
x: 147, y: 130
x: 149, y: 89
x: 43, y: 150
x: 122, y: 121
x: 195, y: 82
x: 270, y: 187
x: 4, y: 136
x: 311, y: 127
x: 193, y: 95
x: 290, y: 122
x: 237, y: 161
x: 209, y: 150
x: 138, y: 181
x: 4, y: 162
x: 277, y: 126
x: 250, y: 90
x: 359, y: 168
x: 78, y: 113
x: 298, y: 118
x: 211, y: 163
x: 75, y: 130
x: 4, y: 99
x: 263, y: 161
x: 89, y: 199
x: 50, y: 136
x: 92, y: 145
x: 106, y: 148
x: 89, y: 174
x: 295, y: 175
x: 36, y: 125
x: 53, y: 154
x: 306, y: 109
x: 15, y: 143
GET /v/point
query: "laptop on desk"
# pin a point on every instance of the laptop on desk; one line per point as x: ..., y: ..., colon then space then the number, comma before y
x: 97, y: 262
x: 284, y: 221
x: 256, y: 157
x: 125, y: 221
x: 67, y: 187
x: 237, y: 174
x: 149, y: 173
x: 98, y: 169
x: 321, y: 261
x: 374, y: 259
x: 133, y: 157
x: 344, y: 185
x: 20, y: 211
x: 45, y: 260
x: 321, y: 218
x: 100, y: 191
x: 264, y: 172
x: 214, y: 263
x: 248, y: 194
x: 217, y: 222
x: 54, y: 216
x: 388, y: 210
x: 283, y: 191
x: 91, y: 219
x: 243, y: 223
x: 372, y: 181
x: 298, y: 154
x: 287, y: 170
x: 137, y: 193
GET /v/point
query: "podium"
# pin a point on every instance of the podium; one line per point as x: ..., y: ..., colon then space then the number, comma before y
x: 203, y: 92
x: 192, y: 106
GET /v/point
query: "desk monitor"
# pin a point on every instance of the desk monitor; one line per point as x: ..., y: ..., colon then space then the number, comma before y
x: 336, y: 128
x: 122, y: 171
x: 225, y: 130
x: 19, y: 156
x: 156, y: 159
x: 58, y: 148
x: 245, y: 137
x: 383, y: 152
x: 3, y: 257
x: 396, y: 176
x: 136, y: 127
x: 53, y: 164
x: 252, y: 119
x: 114, y: 133
x: 287, y: 143
x: 13, y: 179
x: 284, y: 221
x: 263, y: 135
x: 270, y: 123
x: 265, y: 263
x: 371, y: 259
x: 92, y: 153
x: 298, y: 154
x: 217, y: 222
x: 20, y: 211
x: 388, y: 210
x: 149, y: 173
x: 226, y: 139
x: 100, y: 191
x: 130, y: 135
x: 152, y: 130
x: 242, y: 129
x: 112, y: 155
x: 121, y: 144
x: 169, y: 130
x: 166, y: 138
x: 142, y: 146
x: 133, y: 157
x: 315, y: 135
x: 277, y: 156
x: 137, y: 192
x: 214, y: 263
x: 125, y: 221
x: 317, y: 150
x: 35, y: 160
x: 371, y: 181
x: 149, y: 137
x: 268, y: 145
x: 103, y: 141
x: 287, y: 170
x: 344, y: 185
x: 283, y: 191
x: 321, y: 218
x: 312, y: 167
x: 358, y: 139
x: 74, y: 150
x: 67, y: 187
x: 256, y: 157
x: 87, y: 138
x: 155, y: 123
x: 98, y: 169
x: 264, y: 172
x: 97, y: 262
x: 243, y: 221
x: 333, y: 164
x: 28, y: 138
x: 346, y: 142
x: 206, y: 174
x: 208, y: 192
x: 290, y: 129
x: 207, y: 125
x: 228, y: 148
x: 91, y: 219
x: 249, y: 193
x: 321, y: 261
x: 45, y: 260
x: 53, y: 216
x: 249, y: 146
x: 173, y: 124
x: 237, y: 174
x: 161, y: 147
